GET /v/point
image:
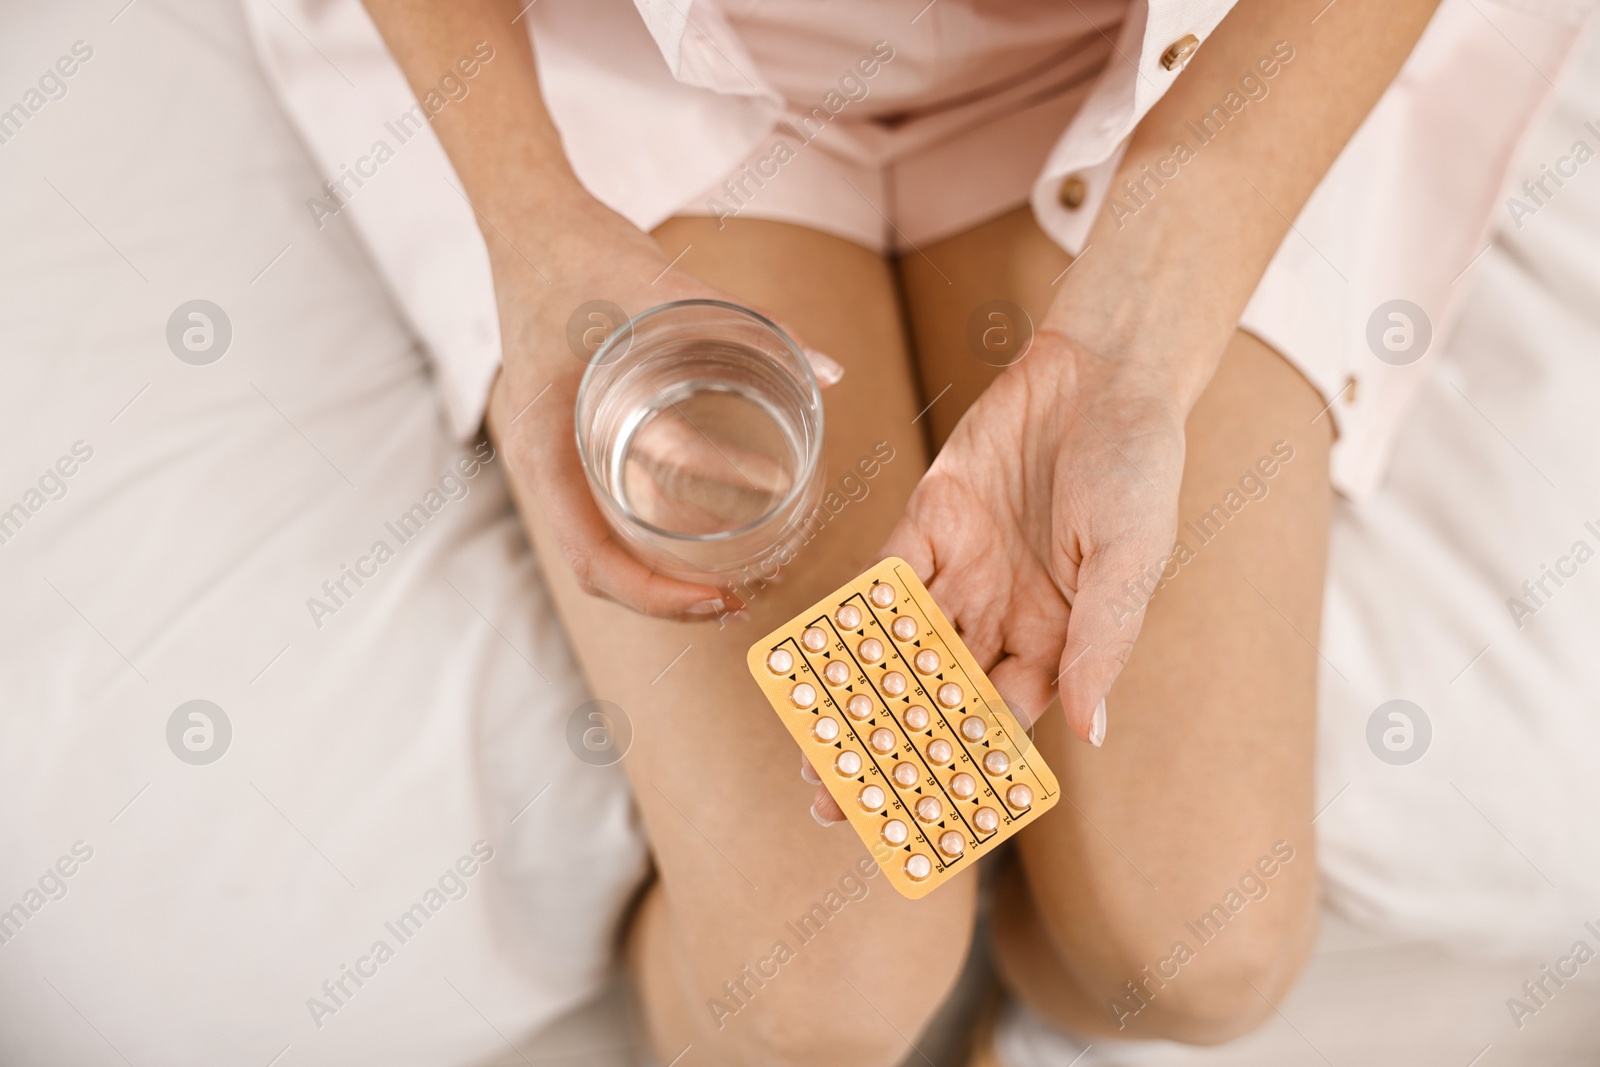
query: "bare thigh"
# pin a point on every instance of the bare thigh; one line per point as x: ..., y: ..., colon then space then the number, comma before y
x: 714, y: 773
x: 1208, y: 757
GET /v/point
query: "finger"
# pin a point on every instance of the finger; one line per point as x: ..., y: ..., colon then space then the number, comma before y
x: 808, y: 772
x: 828, y: 370
x: 1024, y: 687
x: 601, y: 565
x: 1104, y: 623
x: 604, y: 568
x: 824, y: 809
x: 944, y: 522
x: 608, y: 571
x: 908, y: 541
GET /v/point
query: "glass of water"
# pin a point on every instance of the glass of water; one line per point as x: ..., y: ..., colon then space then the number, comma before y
x: 700, y: 428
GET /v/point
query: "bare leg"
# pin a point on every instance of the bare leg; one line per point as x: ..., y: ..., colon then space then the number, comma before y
x: 1208, y: 762
x: 714, y: 773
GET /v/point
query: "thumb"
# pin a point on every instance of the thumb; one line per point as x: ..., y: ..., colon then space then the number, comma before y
x: 1115, y: 585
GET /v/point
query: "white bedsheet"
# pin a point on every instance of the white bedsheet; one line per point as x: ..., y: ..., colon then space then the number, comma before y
x: 368, y: 755
x: 1492, y: 839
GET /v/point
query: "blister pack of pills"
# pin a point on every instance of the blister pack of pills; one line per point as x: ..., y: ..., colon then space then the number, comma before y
x: 909, y: 736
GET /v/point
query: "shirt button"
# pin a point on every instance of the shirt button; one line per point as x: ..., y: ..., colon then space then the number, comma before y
x: 1073, y: 191
x: 1179, y: 51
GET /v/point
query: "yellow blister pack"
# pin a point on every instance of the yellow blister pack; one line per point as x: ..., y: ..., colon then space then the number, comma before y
x: 908, y: 735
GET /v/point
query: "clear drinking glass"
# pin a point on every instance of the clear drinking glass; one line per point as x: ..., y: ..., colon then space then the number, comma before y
x: 700, y: 428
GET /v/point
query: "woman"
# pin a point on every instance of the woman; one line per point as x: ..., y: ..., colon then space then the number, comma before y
x: 1046, y: 504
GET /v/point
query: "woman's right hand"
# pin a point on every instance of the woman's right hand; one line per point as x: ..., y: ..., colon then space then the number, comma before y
x: 547, y: 291
x: 553, y: 249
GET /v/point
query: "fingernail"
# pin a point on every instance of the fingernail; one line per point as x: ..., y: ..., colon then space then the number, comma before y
x: 827, y: 370
x: 707, y: 607
x: 809, y: 774
x: 1097, y: 726
x: 818, y: 816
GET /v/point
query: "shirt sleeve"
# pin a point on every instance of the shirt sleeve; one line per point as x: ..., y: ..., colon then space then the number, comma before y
x: 1155, y: 42
x: 625, y: 83
x: 1397, y: 220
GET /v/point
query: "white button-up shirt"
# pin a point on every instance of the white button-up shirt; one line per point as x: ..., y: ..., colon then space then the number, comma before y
x: 1400, y: 216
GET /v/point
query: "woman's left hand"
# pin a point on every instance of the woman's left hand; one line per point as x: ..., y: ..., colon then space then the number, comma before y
x: 1044, y: 520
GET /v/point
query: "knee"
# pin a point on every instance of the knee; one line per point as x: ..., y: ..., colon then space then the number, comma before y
x: 852, y: 1003
x: 1202, y: 986
x: 1229, y: 987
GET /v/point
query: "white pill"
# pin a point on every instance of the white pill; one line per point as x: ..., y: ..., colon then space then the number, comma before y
x: 918, y: 867
x: 939, y: 751
x: 882, y: 741
x: 825, y: 729
x: 895, y: 832
x: 780, y: 661
x: 848, y: 616
x: 814, y: 639
x: 973, y: 729
x: 905, y: 627
x: 929, y: 809
x: 1019, y: 796
x: 997, y: 762
x: 870, y: 650
x: 882, y: 594
x: 905, y: 774
x: 858, y: 706
x: 952, y: 844
x: 963, y: 785
x: 872, y: 797
x: 894, y: 683
x: 916, y: 717
x: 837, y: 672
x: 987, y: 820
x: 848, y: 764
x: 927, y: 661
x: 950, y: 695
x: 803, y: 695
